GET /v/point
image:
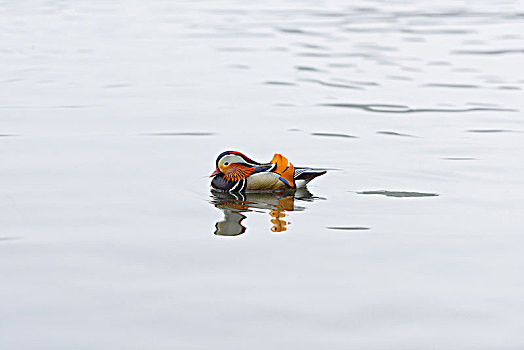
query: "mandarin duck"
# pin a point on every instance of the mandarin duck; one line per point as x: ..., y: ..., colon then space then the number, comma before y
x: 235, y: 172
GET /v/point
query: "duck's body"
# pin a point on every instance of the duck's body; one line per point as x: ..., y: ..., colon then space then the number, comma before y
x: 237, y: 173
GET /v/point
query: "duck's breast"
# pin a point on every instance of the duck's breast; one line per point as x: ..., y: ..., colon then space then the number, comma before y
x: 222, y: 184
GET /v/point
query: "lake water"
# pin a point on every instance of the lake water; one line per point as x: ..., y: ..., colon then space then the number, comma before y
x: 112, y: 115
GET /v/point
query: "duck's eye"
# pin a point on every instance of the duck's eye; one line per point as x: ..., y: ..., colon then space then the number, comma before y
x: 226, y: 163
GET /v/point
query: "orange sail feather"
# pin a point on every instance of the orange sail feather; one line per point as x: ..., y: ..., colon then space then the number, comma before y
x: 284, y: 168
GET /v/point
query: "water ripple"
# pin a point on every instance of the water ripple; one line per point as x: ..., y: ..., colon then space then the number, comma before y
x: 281, y: 83
x: 327, y: 134
x: 400, y: 194
x: 308, y: 69
x: 458, y: 158
x: 455, y: 86
x: 393, y: 133
x: 348, y: 228
x: 390, y: 108
x: 335, y: 85
x: 488, y: 52
x: 179, y: 134
x: 489, y: 131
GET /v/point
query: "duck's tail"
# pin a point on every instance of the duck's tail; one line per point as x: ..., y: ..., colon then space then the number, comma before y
x: 304, y: 175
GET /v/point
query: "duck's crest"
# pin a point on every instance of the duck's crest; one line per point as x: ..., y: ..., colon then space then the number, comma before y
x: 246, y: 158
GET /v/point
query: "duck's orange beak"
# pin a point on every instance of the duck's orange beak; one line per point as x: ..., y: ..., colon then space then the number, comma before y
x: 216, y: 172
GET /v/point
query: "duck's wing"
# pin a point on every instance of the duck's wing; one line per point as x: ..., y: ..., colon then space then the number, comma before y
x: 277, y: 174
x: 281, y: 170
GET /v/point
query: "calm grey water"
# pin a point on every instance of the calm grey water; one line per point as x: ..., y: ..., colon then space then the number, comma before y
x: 112, y: 114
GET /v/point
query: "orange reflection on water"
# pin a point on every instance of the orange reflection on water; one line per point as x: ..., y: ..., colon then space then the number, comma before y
x: 236, y: 205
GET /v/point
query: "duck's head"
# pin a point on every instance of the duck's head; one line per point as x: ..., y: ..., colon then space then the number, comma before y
x: 230, y: 162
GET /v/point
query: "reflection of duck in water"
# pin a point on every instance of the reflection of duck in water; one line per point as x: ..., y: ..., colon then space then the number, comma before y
x: 237, y: 173
x: 276, y: 203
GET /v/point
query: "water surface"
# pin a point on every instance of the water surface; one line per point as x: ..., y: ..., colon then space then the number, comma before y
x: 112, y: 115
